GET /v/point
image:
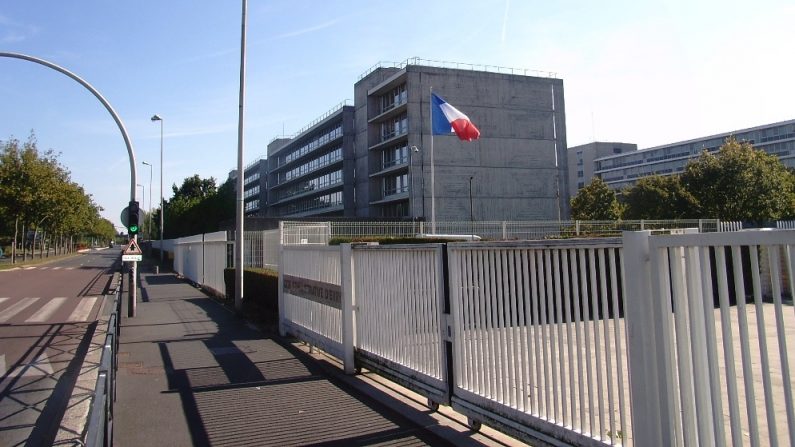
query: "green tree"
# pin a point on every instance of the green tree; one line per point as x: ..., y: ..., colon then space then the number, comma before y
x: 658, y: 197
x: 741, y: 183
x: 596, y: 201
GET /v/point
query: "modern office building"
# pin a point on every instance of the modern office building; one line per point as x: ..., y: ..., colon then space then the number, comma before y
x: 581, y: 161
x: 255, y: 187
x: 312, y: 173
x: 622, y: 170
x: 377, y: 159
x: 516, y: 170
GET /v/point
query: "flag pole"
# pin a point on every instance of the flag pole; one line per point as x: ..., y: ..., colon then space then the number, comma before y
x: 433, y: 192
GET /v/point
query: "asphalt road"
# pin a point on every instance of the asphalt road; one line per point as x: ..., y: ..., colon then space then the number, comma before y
x: 48, y: 314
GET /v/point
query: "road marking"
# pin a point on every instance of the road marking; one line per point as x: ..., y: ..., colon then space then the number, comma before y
x: 54, y: 268
x: 2, y: 364
x: 28, y: 268
x: 2, y: 299
x: 83, y: 309
x: 46, y: 310
x: 16, y: 308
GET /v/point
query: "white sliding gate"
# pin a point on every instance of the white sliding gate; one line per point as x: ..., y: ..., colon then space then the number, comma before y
x: 399, y: 300
x: 310, y: 296
x: 647, y: 340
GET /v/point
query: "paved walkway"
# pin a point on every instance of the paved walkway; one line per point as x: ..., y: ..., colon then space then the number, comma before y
x: 192, y: 373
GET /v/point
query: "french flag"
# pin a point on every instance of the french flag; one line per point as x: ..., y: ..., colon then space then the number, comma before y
x: 446, y: 118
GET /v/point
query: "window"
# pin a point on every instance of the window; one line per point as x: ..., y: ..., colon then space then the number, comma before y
x: 394, y: 127
x: 395, y: 97
x: 580, y: 185
x: 580, y: 174
x: 395, y: 155
x: 616, y: 150
x: 396, y: 184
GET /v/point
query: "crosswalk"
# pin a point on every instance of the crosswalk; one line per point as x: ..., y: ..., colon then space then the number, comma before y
x: 37, y: 310
x: 39, y: 267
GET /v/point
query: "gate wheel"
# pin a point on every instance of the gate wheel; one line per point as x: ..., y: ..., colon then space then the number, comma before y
x: 473, y: 424
x: 434, y: 406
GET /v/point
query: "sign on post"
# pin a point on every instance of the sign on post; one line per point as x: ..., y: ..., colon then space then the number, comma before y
x: 132, y: 252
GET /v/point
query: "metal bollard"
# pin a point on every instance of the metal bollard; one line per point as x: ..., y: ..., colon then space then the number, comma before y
x: 157, y: 270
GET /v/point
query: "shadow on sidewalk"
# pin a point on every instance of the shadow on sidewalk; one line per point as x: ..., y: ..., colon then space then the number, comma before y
x: 238, y: 385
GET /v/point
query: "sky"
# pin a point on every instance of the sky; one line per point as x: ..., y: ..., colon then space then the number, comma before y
x: 641, y: 72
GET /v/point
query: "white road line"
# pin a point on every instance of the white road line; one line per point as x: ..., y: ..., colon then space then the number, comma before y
x: 2, y: 364
x: 46, y: 310
x: 28, y: 268
x: 2, y: 299
x: 83, y: 309
x: 16, y: 308
x: 56, y: 268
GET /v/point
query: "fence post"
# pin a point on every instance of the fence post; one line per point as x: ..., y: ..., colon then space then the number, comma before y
x: 649, y: 373
x: 282, y: 327
x: 504, y: 231
x: 577, y: 227
x: 701, y: 225
x: 348, y: 292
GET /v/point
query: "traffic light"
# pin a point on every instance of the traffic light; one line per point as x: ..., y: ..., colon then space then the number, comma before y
x: 132, y: 218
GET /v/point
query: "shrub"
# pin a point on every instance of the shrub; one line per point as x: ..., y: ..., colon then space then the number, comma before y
x: 260, y: 293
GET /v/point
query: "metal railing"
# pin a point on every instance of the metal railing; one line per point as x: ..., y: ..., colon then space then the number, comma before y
x: 100, y: 417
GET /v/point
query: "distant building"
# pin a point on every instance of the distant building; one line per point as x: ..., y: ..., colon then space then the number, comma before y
x: 255, y: 186
x: 373, y: 159
x: 624, y: 169
x: 312, y: 173
x: 581, y: 161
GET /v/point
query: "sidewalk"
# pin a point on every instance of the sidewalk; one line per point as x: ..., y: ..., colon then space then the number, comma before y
x: 192, y: 373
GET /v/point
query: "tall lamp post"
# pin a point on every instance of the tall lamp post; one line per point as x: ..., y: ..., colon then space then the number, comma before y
x: 149, y: 224
x: 162, y: 211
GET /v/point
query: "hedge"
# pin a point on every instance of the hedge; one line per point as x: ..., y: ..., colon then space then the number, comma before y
x: 260, y: 289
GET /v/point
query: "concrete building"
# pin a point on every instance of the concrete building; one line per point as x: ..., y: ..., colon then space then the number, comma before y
x: 622, y: 170
x: 312, y: 173
x: 581, y: 161
x: 515, y: 171
x: 373, y: 159
x: 255, y: 187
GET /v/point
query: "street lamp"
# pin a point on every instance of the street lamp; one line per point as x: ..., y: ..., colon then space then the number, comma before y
x: 162, y: 211
x: 149, y: 224
x: 415, y: 149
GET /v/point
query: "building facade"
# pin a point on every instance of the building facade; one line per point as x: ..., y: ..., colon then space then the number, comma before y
x: 581, y: 161
x: 255, y: 187
x: 623, y: 170
x: 312, y: 173
x: 516, y: 170
x: 377, y: 159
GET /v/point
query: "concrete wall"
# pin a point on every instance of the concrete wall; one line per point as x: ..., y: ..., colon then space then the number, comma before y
x: 513, y: 162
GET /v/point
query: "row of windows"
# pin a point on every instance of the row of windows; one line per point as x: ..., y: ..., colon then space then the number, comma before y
x: 324, y: 201
x: 314, y: 164
x: 395, y: 97
x: 394, y: 127
x: 252, y: 178
x: 395, y: 155
x: 331, y: 135
x: 324, y: 181
x: 252, y: 206
x: 251, y: 192
x: 396, y: 184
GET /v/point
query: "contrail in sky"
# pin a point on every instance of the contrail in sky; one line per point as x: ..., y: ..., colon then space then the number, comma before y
x: 505, y: 21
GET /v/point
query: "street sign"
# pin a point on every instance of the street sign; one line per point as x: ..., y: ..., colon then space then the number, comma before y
x: 125, y: 216
x: 132, y: 258
x: 132, y: 248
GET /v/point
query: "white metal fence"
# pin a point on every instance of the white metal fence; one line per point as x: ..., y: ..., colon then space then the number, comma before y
x: 539, y: 339
x: 649, y: 340
x: 294, y: 232
x: 710, y: 361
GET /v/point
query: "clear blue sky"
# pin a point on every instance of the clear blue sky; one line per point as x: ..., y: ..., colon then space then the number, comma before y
x: 634, y: 71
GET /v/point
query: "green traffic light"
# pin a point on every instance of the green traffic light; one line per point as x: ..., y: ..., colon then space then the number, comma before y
x: 133, y: 228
